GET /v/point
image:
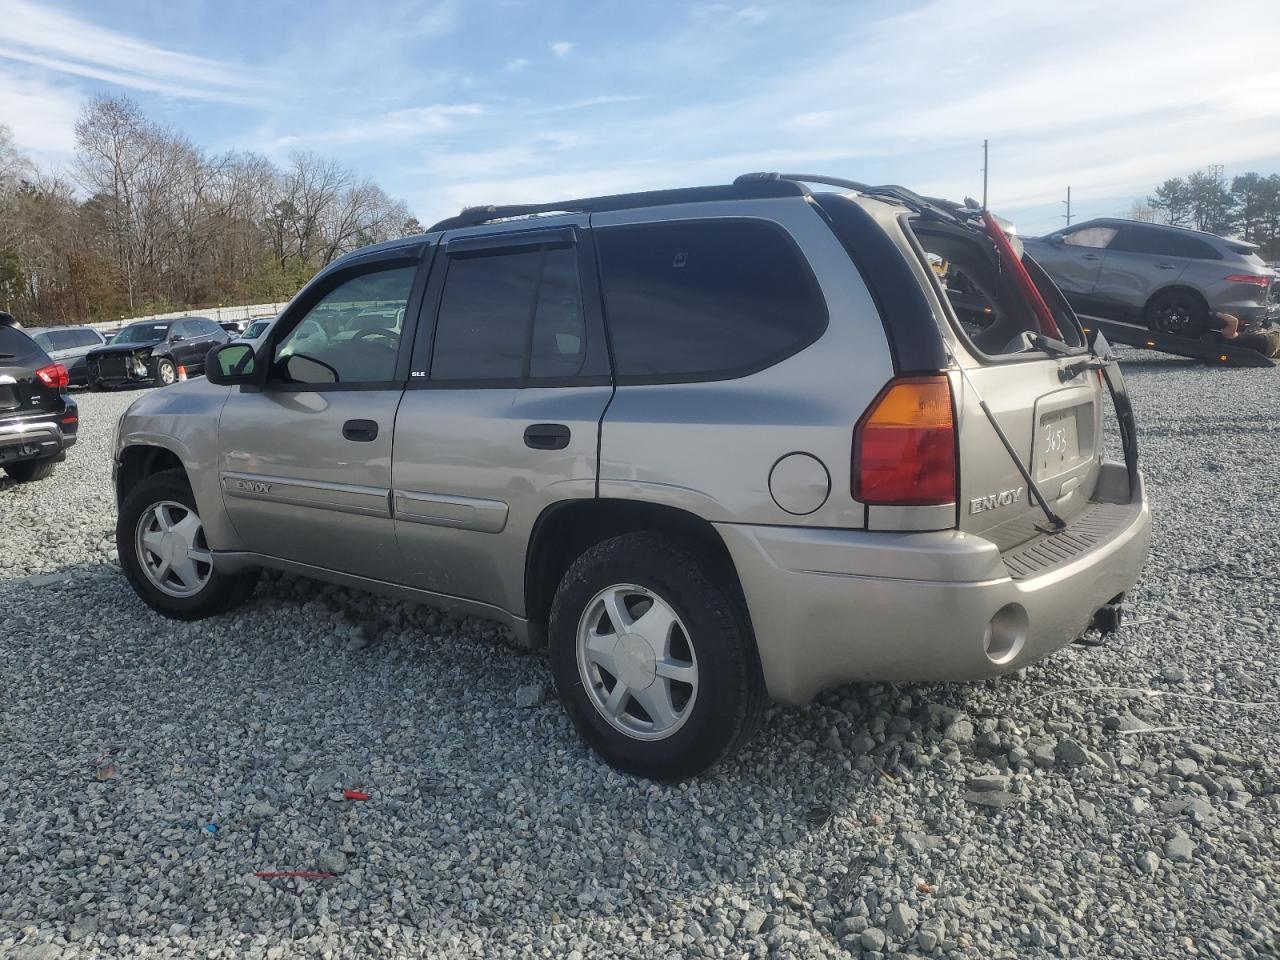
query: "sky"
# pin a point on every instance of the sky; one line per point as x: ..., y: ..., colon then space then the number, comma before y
x: 447, y: 103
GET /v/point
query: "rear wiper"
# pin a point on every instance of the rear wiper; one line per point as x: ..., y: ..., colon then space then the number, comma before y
x: 1056, y: 523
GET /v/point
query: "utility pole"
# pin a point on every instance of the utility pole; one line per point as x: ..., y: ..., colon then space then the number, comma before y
x: 1068, y: 202
x: 984, y: 174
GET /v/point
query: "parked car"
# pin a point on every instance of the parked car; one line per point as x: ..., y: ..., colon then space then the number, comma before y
x: 710, y: 445
x: 233, y: 328
x: 69, y: 346
x: 1167, y: 278
x: 38, y: 421
x: 256, y: 328
x: 151, y: 351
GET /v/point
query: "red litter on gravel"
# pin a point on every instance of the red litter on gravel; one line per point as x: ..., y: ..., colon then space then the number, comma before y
x: 355, y: 795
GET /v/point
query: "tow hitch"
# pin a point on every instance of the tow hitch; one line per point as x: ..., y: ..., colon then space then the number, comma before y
x: 1106, y: 619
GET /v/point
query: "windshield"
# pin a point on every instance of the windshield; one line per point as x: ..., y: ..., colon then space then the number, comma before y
x: 142, y: 333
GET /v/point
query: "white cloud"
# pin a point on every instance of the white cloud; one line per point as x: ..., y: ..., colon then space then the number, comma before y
x: 41, y: 115
x: 394, y: 127
x: 43, y: 37
x: 519, y: 63
x: 562, y: 48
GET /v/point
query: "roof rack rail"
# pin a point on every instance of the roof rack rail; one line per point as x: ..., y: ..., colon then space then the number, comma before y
x: 942, y: 209
x: 739, y: 190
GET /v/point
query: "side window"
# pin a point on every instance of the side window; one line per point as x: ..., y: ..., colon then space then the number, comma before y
x: 484, y: 315
x: 705, y: 299
x: 87, y: 338
x: 1096, y: 237
x: 44, y: 341
x: 1193, y: 248
x: 180, y: 331
x: 63, y: 339
x: 514, y: 315
x: 1156, y: 243
x: 352, y: 335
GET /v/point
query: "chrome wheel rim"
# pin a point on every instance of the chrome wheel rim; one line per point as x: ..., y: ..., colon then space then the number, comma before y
x: 171, y: 549
x: 167, y: 373
x: 637, y: 662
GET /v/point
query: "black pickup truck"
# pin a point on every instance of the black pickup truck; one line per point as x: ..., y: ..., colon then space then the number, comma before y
x: 38, y: 421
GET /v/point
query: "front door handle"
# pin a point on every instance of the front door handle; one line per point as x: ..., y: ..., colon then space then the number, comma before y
x: 1165, y: 266
x: 361, y: 431
x: 546, y: 436
x: 1091, y: 256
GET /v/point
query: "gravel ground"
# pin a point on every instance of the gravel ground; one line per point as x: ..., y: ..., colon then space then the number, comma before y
x: 1025, y: 817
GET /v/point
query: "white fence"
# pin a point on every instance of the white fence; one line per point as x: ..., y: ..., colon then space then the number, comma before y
x: 216, y: 314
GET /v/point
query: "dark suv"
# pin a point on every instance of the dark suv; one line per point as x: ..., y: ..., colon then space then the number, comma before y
x: 152, y: 351
x: 38, y: 421
x: 1167, y: 278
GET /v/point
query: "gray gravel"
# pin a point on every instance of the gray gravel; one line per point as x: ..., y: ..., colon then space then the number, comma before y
x: 148, y: 768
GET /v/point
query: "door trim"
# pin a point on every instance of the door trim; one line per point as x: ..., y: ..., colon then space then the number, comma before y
x: 443, y: 510
x: 341, y: 497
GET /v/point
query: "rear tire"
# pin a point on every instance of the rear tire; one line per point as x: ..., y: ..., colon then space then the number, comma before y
x: 28, y: 470
x: 685, y: 705
x: 1179, y: 313
x: 210, y: 591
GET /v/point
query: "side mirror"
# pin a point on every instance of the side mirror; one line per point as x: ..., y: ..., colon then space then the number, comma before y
x: 229, y: 364
x: 1057, y: 239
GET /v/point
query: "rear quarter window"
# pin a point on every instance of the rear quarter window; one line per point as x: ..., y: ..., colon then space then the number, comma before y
x: 705, y: 299
x: 14, y: 344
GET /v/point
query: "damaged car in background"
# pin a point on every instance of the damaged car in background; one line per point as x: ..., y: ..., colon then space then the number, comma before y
x: 152, y: 351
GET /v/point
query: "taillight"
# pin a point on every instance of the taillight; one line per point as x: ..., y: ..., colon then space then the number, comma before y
x: 54, y: 375
x: 904, y: 447
x: 1252, y: 278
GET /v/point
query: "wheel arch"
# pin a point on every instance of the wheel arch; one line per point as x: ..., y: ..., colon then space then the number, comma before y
x: 139, y: 461
x: 1175, y: 288
x: 564, y: 530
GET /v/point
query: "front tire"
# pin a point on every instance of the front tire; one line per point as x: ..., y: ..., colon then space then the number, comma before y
x: 653, y: 656
x: 29, y: 470
x: 166, y: 372
x: 162, y: 550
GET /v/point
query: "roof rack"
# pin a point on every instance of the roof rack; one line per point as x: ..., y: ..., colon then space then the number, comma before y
x: 933, y: 206
x: 738, y: 190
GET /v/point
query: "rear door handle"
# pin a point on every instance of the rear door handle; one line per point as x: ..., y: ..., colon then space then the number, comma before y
x: 1165, y: 266
x: 546, y: 436
x: 1091, y: 256
x: 361, y: 431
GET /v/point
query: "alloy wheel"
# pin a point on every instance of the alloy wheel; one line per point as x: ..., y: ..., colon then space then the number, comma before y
x: 636, y: 662
x: 172, y: 550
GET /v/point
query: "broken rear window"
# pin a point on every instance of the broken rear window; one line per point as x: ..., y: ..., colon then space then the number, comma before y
x: 995, y: 315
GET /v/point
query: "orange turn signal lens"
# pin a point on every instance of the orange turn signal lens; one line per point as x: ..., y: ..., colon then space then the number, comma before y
x: 904, y: 447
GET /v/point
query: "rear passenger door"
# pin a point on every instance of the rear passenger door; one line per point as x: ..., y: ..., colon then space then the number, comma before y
x: 508, y: 383
x: 1139, y: 261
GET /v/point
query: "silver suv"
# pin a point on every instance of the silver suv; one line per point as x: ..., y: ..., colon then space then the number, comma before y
x: 1167, y: 278
x: 709, y: 446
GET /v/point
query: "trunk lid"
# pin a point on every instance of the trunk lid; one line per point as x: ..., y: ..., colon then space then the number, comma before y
x: 21, y: 391
x: 1023, y: 356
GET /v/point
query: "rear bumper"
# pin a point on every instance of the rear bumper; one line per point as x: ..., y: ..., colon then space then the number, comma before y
x: 1254, y: 312
x: 835, y: 606
x: 34, y: 438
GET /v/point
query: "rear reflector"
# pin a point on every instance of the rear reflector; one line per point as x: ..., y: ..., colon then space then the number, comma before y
x: 904, y: 447
x: 54, y: 375
x: 1254, y: 279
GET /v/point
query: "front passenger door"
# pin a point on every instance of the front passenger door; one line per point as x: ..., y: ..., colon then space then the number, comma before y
x: 305, y: 461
